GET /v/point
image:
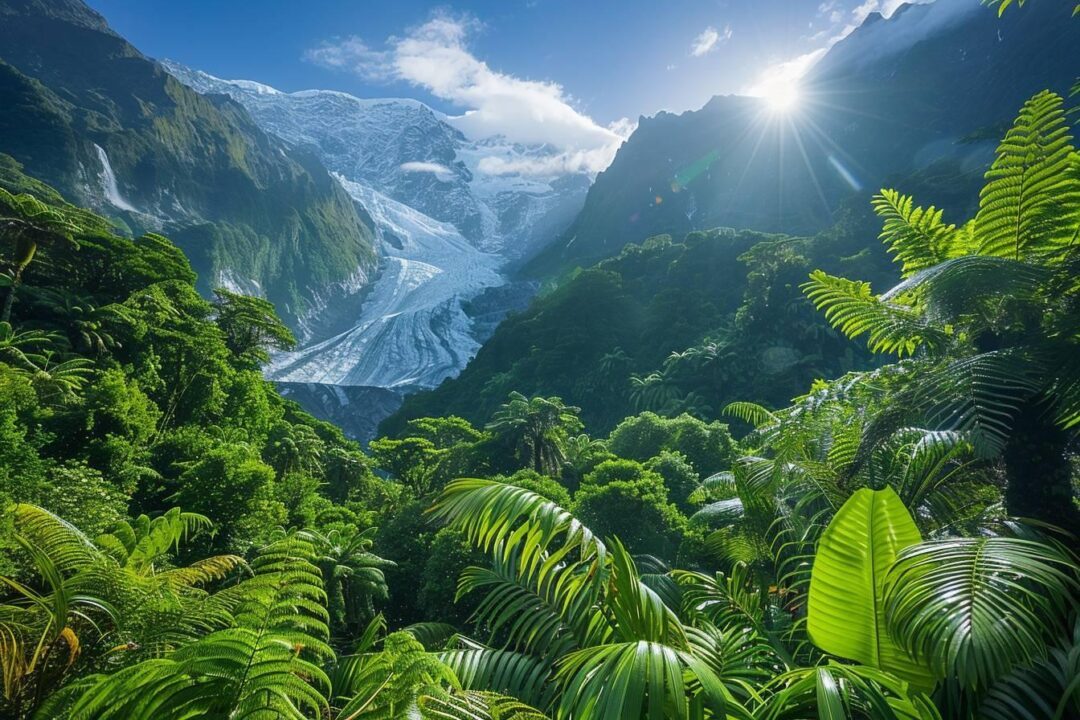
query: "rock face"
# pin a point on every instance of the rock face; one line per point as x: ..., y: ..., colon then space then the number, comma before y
x: 87, y: 113
x: 448, y: 235
x: 356, y: 410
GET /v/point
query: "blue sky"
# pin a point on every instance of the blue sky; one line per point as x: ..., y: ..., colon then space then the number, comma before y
x: 574, y: 72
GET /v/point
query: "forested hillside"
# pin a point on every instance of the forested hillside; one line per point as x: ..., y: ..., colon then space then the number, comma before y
x: 887, y: 530
x: 87, y: 113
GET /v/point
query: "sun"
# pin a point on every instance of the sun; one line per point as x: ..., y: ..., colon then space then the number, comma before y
x: 780, y: 96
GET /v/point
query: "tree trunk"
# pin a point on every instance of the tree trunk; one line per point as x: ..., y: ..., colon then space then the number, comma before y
x: 1038, y: 471
x: 9, y: 301
x: 538, y: 457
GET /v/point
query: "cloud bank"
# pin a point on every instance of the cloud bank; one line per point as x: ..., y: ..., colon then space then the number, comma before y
x: 441, y: 172
x: 435, y: 56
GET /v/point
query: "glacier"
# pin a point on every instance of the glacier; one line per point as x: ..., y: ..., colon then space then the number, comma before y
x: 413, y: 330
x: 447, y: 232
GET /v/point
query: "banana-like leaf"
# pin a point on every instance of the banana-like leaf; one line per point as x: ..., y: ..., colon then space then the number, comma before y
x: 846, y: 615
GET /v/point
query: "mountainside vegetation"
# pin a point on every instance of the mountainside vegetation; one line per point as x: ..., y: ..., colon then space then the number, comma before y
x: 242, y: 205
x: 671, y: 326
x: 890, y: 532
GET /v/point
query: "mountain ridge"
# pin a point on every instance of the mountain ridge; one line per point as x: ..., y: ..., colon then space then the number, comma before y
x: 868, y: 110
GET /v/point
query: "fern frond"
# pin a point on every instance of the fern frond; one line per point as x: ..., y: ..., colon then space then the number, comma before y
x: 854, y: 310
x: 476, y: 706
x: 750, y: 413
x: 917, y: 237
x: 1029, y: 205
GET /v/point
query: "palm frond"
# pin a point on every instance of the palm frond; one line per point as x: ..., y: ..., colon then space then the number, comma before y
x: 521, y: 676
x: 973, y: 608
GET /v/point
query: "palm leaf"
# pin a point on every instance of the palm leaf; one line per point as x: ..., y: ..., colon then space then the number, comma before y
x: 509, y: 673
x: 975, y: 608
x: 844, y: 692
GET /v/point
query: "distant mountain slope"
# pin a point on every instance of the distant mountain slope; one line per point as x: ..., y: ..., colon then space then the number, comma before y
x: 726, y: 302
x: 84, y: 111
x: 892, y: 98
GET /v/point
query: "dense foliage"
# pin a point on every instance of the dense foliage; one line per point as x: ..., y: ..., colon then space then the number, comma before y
x: 178, y: 541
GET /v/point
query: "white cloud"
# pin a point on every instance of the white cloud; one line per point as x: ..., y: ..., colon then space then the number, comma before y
x: 709, y: 39
x: 351, y: 54
x: 435, y: 56
x: 441, y: 172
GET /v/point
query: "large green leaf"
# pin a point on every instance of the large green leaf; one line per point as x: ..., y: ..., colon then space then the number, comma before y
x: 846, y: 610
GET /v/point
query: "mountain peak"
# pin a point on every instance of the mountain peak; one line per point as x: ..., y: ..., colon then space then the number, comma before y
x: 74, y: 12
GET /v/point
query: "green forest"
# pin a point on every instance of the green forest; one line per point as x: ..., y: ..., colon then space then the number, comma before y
x: 882, y: 526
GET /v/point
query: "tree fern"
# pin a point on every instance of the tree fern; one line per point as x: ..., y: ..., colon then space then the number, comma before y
x: 386, y: 685
x: 266, y: 665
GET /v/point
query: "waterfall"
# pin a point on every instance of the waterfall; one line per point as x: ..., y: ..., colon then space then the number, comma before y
x: 108, y: 182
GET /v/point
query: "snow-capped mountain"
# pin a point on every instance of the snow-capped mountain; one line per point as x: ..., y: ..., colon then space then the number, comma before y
x: 408, y: 152
x: 446, y: 229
